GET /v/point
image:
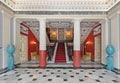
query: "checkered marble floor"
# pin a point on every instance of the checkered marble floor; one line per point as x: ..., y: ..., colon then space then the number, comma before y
x: 56, y: 75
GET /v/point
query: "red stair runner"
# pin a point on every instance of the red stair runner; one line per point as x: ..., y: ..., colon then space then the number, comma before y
x: 60, y: 54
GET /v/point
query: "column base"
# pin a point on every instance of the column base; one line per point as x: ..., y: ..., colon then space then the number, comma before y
x: 42, y: 60
x: 76, y: 59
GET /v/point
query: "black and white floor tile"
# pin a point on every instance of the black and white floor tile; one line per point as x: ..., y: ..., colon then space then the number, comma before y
x: 37, y: 75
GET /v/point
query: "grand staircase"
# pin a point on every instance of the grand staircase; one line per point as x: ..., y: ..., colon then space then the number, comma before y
x: 60, y: 53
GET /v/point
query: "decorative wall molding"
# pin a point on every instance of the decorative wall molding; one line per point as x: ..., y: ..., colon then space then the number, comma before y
x: 64, y: 5
x: 114, y: 9
x: 8, y: 3
x: 60, y: 24
x: 61, y: 12
x: 5, y: 7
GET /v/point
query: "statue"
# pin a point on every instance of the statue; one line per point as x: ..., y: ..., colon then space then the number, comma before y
x: 110, y: 51
x: 10, y: 50
x: 49, y: 52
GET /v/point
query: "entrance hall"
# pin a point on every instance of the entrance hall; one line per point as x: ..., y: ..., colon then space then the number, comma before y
x: 62, y: 41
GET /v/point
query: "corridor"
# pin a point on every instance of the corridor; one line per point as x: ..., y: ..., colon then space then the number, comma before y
x: 59, y: 41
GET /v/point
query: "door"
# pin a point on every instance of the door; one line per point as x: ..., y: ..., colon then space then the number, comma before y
x: 23, y: 48
x: 98, y: 49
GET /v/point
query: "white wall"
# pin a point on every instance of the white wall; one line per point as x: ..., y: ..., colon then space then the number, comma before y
x: 1, y: 34
x: 118, y: 19
x: 115, y: 40
x: 6, y: 37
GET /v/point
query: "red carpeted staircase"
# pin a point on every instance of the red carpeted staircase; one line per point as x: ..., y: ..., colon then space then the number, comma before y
x: 60, y: 53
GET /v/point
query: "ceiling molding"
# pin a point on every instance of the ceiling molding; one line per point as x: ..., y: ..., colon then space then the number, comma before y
x: 113, y: 10
x: 60, y: 5
x: 61, y: 12
x: 63, y: 7
x: 5, y: 7
x: 8, y: 3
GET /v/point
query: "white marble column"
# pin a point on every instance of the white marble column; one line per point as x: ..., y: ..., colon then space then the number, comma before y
x: 76, y: 57
x: 108, y: 21
x: 104, y: 40
x: 42, y: 42
x: 16, y: 40
x: 14, y: 31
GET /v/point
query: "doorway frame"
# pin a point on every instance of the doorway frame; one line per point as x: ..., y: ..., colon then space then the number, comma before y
x: 26, y: 57
x: 96, y: 47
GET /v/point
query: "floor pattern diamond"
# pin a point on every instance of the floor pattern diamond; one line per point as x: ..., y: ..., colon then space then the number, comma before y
x: 36, y: 75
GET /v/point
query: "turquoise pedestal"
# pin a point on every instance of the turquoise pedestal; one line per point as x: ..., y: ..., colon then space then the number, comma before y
x: 10, y: 50
x: 110, y: 51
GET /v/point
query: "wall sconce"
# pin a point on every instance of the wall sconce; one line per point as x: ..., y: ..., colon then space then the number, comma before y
x: 68, y: 34
x: 33, y: 42
x: 88, y: 42
x: 53, y: 34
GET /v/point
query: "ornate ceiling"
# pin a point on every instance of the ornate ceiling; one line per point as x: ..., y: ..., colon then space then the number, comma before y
x: 60, y: 5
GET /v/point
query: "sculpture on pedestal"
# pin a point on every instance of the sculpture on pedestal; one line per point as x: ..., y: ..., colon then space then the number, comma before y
x: 110, y: 51
x: 10, y: 50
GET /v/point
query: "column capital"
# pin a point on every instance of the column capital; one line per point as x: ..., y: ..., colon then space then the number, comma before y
x: 77, y: 19
x: 41, y: 19
x: 107, y: 19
